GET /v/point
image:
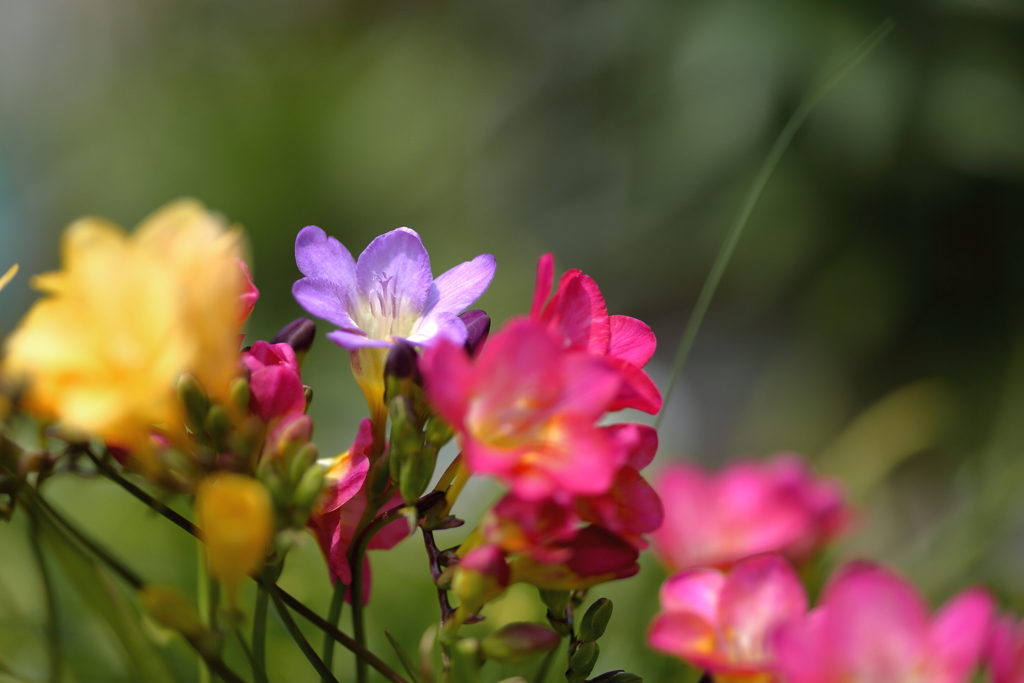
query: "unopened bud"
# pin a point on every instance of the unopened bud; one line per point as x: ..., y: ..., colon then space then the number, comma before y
x: 466, y: 661
x: 303, y: 459
x: 619, y: 676
x: 309, y: 488
x: 217, y: 425
x: 307, y: 392
x: 478, y: 327
x: 481, y: 576
x: 197, y: 404
x: 236, y: 521
x: 584, y: 660
x: 239, y: 393
x: 406, y: 437
x: 517, y: 642
x: 415, y: 474
x: 293, y: 432
x: 438, y: 433
x: 595, y: 621
x: 298, y: 334
x: 172, y: 609
x: 401, y: 371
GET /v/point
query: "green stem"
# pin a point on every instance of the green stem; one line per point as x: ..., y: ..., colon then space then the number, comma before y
x: 346, y: 641
x: 203, y: 591
x: 32, y: 500
x: 542, y: 671
x: 300, y: 640
x: 760, y: 181
x: 259, y: 635
x: 333, y: 616
x: 53, y: 640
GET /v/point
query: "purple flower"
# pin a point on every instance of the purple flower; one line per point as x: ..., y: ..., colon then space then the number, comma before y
x: 389, y: 293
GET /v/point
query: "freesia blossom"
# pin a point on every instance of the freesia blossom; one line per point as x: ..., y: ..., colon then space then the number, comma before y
x: 577, y: 313
x: 125, y: 316
x: 389, y: 293
x: 723, y: 622
x: 748, y: 508
x: 592, y: 556
x: 873, y: 627
x: 275, y: 385
x: 341, y: 506
x: 524, y: 411
x: 1005, y: 653
x: 236, y: 522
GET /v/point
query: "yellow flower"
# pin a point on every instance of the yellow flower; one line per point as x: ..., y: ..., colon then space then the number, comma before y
x: 125, y: 316
x: 236, y: 521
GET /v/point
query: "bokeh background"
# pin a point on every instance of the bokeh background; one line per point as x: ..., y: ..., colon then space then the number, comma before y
x: 871, y: 318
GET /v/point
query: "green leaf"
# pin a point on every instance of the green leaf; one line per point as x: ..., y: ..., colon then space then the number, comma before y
x: 143, y: 657
x: 407, y: 663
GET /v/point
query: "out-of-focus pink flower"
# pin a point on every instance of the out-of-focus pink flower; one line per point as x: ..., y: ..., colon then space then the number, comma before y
x: 748, y: 508
x: 275, y: 386
x: 341, y: 507
x: 1006, y: 651
x: 724, y: 622
x: 873, y: 627
x: 577, y: 313
x: 537, y: 528
x: 247, y: 299
x: 524, y: 410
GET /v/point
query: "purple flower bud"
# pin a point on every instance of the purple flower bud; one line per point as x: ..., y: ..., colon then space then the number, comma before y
x: 478, y: 326
x: 298, y: 334
x: 402, y: 362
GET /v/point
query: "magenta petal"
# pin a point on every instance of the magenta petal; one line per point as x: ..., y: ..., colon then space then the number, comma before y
x: 448, y: 380
x: 640, y: 442
x: 880, y: 630
x: 325, y: 299
x: 275, y: 391
x: 758, y: 595
x: 356, y: 340
x: 638, y: 390
x: 801, y: 650
x: 389, y: 536
x: 455, y: 290
x: 324, y: 258
x: 398, y: 258
x: 590, y: 385
x: 631, y: 507
x: 632, y: 340
x: 695, y: 591
x: 597, y: 551
x: 545, y: 280
x: 960, y: 631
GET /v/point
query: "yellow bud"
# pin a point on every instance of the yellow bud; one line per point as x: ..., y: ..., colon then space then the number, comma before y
x: 235, y: 517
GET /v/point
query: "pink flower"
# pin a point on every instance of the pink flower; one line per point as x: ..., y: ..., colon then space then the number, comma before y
x: 275, y: 386
x: 1006, y: 651
x: 524, y: 410
x: 873, y: 627
x: 341, y: 506
x: 578, y: 315
x: 724, y: 622
x: 747, y: 509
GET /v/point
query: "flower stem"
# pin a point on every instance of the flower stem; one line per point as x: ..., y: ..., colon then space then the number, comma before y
x: 542, y: 671
x: 53, y: 640
x: 333, y: 616
x: 346, y: 641
x: 32, y: 500
x: 300, y: 640
x: 760, y: 182
x: 205, y: 598
x: 259, y: 635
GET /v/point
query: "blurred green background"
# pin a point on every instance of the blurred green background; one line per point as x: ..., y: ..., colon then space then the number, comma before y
x: 871, y: 317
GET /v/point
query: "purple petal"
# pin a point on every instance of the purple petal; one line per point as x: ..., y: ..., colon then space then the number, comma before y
x: 324, y: 299
x: 323, y: 257
x: 455, y: 290
x: 399, y: 259
x: 439, y: 326
x: 356, y: 340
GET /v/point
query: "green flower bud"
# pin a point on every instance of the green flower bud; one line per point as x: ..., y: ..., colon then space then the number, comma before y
x: 193, y: 397
x: 239, y: 393
x: 309, y: 488
x: 439, y: 432
x: 303, y: 459
x: 218, y: 425
x: 584, y: 660
x: 518, y: 642
x: 172, y: 609
x: 595, y: 621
